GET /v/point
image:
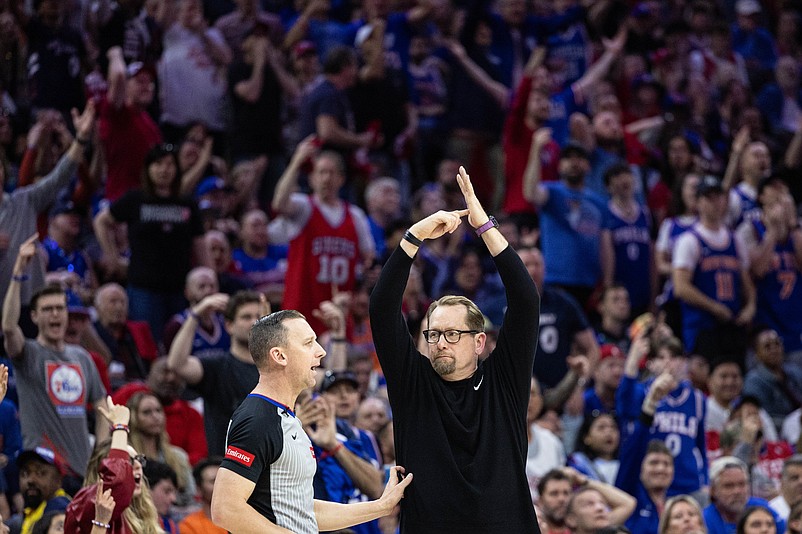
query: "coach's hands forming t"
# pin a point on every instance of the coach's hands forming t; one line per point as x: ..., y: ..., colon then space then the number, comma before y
x: 476, y: 213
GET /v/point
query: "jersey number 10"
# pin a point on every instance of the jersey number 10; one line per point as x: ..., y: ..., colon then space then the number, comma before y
x: 332, y: 269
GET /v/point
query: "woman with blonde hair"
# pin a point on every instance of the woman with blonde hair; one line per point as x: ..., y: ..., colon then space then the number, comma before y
x: 115, y: 485
x: 149, y: 436
x: 682, y: 515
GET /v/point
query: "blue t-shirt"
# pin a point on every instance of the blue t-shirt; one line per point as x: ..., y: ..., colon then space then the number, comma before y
x: 757, y: 46
x: 716, y: 525
x: 571, y: 223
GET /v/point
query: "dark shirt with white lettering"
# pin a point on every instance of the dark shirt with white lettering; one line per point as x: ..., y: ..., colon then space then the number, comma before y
x: 267, y: 445
x: 160, y: 233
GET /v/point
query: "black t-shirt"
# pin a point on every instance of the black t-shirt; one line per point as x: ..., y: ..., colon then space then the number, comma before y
x: 160, y: 233
x: 55, y: 66
x: 256, y: 127
x: 381, y: 100
x: 267, y: 445
x: 325, y: 99
x: 133, y: 34
x: 560, y: 320
x: 226, y: 381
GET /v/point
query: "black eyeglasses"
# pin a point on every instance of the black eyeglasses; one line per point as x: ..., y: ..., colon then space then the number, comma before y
x: 452, y: 336
x: 141, y: 458
x: 167, y: 147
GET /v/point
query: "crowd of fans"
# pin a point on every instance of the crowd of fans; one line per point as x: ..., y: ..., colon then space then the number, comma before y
x: 172, y: 170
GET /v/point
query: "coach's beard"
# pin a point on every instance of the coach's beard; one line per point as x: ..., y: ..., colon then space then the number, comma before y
x: 444, y: 365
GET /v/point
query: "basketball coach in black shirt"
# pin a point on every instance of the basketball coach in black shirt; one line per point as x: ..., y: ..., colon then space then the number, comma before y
x: 460, y: 424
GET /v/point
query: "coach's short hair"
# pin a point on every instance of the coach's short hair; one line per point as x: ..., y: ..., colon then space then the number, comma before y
x: 269, y: 332
x: 474, y: 317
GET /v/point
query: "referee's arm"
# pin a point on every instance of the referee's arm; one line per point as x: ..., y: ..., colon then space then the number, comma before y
x: 335, y: 516
x: 230, y: 508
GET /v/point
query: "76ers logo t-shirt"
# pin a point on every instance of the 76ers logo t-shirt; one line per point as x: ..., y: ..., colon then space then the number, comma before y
x: 65, y: 386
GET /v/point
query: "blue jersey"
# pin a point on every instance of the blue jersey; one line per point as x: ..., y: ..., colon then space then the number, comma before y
x: 263, y: 271
x: 206, y: 344
x: 749, y: 209
x: 718, y: 276
x: 779, y: 294
x: 561, y: 319
x: 633, y: 255
x: 571, y: 223
x: 569, y: 53
x: 59, y: 260
x: 679, y: 421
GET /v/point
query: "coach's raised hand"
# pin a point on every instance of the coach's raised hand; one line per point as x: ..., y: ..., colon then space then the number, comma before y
x: 485, y: 226
x: 477, y: 215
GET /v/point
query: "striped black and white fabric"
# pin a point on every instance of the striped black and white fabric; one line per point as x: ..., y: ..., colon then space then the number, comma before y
x: 267, y: 445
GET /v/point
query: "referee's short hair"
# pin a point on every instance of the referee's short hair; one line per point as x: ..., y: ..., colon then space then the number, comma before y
x: 269, y: 332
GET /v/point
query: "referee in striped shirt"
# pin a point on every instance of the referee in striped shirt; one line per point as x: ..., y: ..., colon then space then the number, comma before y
x: 265, y: 481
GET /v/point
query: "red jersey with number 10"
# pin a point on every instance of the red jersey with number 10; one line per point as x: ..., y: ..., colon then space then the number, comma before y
x: 321, y: 256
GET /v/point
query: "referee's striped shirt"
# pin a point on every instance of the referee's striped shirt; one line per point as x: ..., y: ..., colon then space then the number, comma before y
x: 267, y: 445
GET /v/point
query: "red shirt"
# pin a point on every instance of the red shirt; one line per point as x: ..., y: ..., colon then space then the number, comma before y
x: 118, y: 476
x: 127, y: 135
x: 321, y: 256
x: 517, y: 144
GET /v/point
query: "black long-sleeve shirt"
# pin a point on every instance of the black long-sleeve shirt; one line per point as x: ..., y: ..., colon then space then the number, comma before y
x: 465, y: 441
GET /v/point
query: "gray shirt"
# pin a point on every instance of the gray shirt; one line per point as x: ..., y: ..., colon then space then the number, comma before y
x: 18, y: 212
x: 54, y: 391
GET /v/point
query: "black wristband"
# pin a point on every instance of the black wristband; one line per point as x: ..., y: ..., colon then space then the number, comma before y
x: 409, y: 236
x: 83, y: 142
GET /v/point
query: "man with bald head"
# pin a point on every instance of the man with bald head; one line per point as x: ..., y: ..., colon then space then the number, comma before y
x: 211, y: 338
x: 131, y: 343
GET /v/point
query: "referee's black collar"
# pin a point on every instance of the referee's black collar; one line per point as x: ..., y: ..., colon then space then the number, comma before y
x: 275, y: 403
